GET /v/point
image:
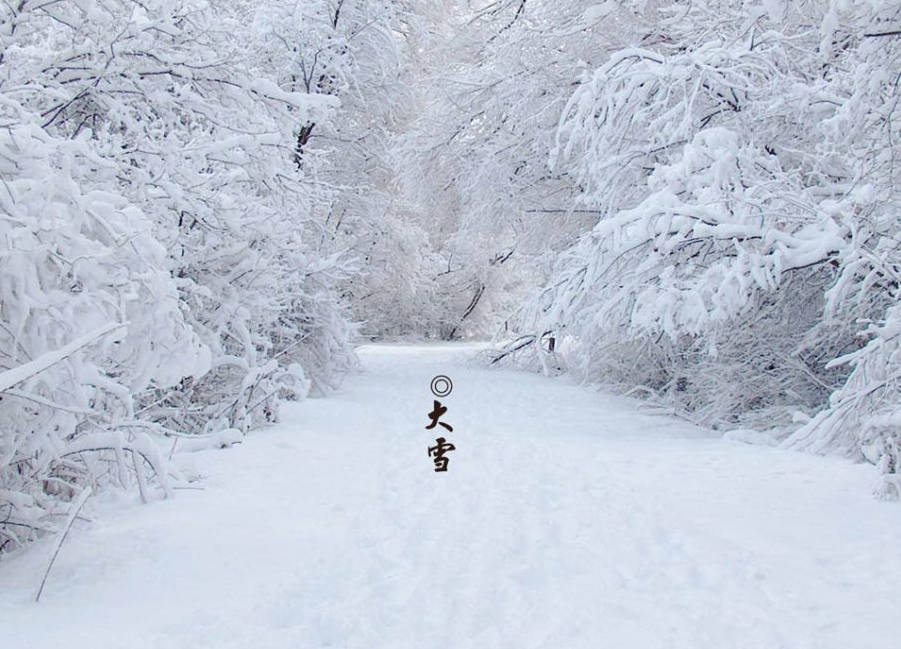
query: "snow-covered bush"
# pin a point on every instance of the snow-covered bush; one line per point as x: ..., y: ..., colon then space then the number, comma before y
x: 161, y: 271
x: 89, y: 319
x: 745, y: 260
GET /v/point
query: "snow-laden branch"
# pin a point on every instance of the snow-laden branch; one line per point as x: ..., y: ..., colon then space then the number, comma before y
x: 23, y: 372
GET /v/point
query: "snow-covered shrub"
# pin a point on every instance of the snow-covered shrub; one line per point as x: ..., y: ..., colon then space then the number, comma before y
x: 863, y: 417
x: 740, y: 157
x: 89, y: 318
x: 161, y: 266
x: 204, y: 144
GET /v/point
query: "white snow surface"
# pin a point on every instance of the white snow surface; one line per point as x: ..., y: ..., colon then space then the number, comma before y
x: 567, y: 519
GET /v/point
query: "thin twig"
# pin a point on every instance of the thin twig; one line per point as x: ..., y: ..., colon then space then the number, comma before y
x: 73, y: 513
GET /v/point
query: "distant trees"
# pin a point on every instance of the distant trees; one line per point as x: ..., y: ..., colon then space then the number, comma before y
x: 476, y: 154
x: 364, y: 54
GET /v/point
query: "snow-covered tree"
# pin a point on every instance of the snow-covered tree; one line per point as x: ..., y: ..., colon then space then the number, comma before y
x: 739, y: 157
x: 161, y: 272
x: 89, y: 319
x: 362, y: 54
x: 496, y: 81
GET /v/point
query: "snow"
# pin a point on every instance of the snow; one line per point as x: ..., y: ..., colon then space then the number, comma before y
x: 775, y: 9
x: 300, y: 100
x: 17, y: 375
x: 567, y: 519
x: 598, y: 12
x: 748, y: 436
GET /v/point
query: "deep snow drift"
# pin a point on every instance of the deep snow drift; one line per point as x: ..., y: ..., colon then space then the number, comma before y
x: 566, y: 519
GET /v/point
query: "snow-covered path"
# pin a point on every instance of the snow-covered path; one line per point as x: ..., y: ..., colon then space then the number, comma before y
x: 567, y: 519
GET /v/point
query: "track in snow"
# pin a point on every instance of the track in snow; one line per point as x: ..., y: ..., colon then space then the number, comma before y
x: 567, y: 519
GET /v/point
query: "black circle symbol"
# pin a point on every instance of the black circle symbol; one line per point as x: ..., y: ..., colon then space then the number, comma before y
x: 441, y: 386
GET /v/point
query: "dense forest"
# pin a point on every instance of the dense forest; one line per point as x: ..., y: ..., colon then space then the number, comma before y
x: 205, y: 206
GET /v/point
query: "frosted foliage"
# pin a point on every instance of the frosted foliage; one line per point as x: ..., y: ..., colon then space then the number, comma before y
x: 744, y: 263
x: 204, y: 204
x: 75, y: 260
x: 161, y: 269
